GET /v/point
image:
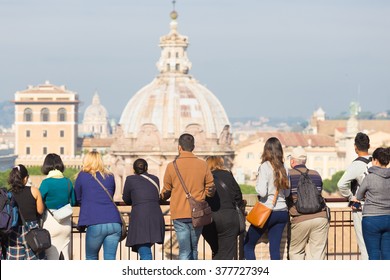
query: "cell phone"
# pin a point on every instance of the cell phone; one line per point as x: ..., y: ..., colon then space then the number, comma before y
x: 357, y: 205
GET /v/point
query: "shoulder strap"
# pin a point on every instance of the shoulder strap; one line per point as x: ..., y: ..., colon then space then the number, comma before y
x: 181, y: 179
x: 306, y: 172
x: 105, y: 189
x: 223, y: 185
x: 69, y: 191
x: 365, y: 160
x: 275, y: 197
x: 151, y: 181
x: 21, y: 215
x: 69, y: 196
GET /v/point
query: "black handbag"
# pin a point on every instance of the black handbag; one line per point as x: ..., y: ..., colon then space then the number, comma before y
x: 38, y: 239
x: 201, y: 213
x: 241, y: 218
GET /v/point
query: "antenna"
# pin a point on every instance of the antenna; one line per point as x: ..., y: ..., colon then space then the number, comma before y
x: 173, y: 4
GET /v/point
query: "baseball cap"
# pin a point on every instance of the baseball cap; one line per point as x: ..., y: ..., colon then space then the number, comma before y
x: 298, y: 153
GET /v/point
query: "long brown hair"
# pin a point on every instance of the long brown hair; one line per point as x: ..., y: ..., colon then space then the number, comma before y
x: 273, y: 152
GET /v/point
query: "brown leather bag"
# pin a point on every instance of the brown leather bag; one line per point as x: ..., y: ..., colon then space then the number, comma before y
x: 201, y: 213
x: 260, y: 213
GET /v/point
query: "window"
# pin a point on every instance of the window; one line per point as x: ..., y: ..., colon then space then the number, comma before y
x: 61, y: 115
x: 62, y: 133
x: 28, y: 133
x: 177, y: 67
x: 44, y: 133
x: 45, y: 115
x: 250, y: 155
x: 62, y: 149
x: 27, y: 115
x: 28, y: 150
x: 44, y: 150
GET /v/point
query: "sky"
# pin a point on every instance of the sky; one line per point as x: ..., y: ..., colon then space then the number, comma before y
x: 269, y: 58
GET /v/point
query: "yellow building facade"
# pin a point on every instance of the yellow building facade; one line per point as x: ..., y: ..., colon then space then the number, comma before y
x: 46, y: 119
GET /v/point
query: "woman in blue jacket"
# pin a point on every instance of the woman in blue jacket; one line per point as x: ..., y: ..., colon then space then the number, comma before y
x: 97, y: 212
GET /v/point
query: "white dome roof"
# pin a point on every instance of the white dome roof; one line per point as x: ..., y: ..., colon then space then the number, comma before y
x: 95, y: 112
x: 171, y: 104
x: 174, y: 100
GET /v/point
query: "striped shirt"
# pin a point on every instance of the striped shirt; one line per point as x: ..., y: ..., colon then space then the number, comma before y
x: 294, y: 176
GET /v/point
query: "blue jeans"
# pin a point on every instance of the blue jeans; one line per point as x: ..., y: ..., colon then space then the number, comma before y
x: 376, y: 234
x: 107, y: 235
x: 188, y: 238
x: 275, y: 226
x: 145, y: 251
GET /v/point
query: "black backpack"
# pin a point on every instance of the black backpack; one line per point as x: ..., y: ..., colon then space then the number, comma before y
x: 309, y: 199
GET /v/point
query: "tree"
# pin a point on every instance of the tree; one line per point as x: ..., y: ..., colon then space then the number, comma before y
x: 330, y: 186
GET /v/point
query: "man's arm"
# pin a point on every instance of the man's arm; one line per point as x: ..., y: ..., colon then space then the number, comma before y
x: 344, y: 184
x: 168, y: 185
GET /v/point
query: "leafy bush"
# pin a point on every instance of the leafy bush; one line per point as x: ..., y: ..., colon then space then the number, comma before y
x: 247, y: 189
x: 330, y: 186
x: 36, y: 170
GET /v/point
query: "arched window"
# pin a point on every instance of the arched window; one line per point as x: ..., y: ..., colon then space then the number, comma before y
x: 45, y: 115
x: 27, y: 115
x: 61, y: 115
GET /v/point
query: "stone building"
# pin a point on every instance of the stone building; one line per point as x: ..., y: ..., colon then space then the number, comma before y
x: 172, y: 104
x: 45, y: 122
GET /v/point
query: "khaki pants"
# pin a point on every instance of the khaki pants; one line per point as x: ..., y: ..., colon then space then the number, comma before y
x: 309, y: 239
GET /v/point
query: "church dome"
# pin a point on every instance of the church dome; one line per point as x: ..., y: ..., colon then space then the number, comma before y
x: 174, y: 102
x: 95, y: 122
x: 95, y: 111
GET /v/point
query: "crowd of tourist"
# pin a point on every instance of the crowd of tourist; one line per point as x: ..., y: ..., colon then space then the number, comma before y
x: 366, y: 184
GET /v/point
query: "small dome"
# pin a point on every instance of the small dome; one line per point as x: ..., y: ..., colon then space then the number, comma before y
x: 95, y: 122
x: 95, y: 111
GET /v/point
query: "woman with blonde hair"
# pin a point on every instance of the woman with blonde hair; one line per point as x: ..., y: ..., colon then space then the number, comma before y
x: 222, y: 233
x: 98, y: 214
x: 272, y: 183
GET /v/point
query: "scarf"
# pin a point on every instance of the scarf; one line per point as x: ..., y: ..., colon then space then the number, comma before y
x: 55, y: 174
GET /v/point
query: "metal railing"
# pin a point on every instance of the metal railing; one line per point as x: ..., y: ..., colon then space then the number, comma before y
x: 342, y: 243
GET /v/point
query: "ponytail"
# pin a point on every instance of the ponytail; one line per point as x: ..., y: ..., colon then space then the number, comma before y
x: 16, y: 177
